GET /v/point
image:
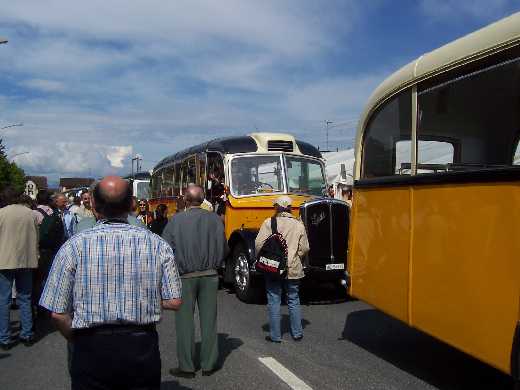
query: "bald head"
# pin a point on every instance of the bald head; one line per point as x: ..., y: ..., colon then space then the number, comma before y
x: 194, y: 195
x: 112, y: 197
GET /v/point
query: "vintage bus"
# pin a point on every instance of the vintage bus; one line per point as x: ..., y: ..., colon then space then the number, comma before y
x: 140, y: 184
x: 434, y: 237
x: 242, y: 176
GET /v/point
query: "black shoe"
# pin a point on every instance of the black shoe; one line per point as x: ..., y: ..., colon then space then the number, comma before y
x: 298, y: 338
x: 6, y: 346
x: 209, y: 372
x: 268, y: 338
x: 28, y: 342
x: 182, y: 374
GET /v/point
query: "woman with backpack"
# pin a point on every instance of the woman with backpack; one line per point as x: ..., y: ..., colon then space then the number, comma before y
x: 281, y: 245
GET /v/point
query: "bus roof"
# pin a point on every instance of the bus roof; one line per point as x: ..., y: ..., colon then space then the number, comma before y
x: 475, y: 45
x: 255, y: 142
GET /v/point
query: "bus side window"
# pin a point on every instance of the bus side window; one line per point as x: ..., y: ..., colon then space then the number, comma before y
x: 384, y: 153
x: 473, y: 109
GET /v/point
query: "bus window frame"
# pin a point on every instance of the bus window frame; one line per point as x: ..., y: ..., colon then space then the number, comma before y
x: 249, y: 155
x: 418, y: 87
x: 284, y: 171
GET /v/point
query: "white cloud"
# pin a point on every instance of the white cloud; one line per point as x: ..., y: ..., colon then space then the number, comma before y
x: 117, y: 154
x: 71, y: 158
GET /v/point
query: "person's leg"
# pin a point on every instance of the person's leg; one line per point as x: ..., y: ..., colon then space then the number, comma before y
x: 273, y: 288
x: 24, y: 281
x: 6, y: 285
x: 207, y: 303
x: 185, y: 328
x: 293, y: 304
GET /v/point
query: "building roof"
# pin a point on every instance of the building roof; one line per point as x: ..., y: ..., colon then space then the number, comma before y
x: 73, y: 182
x: 40, y: 181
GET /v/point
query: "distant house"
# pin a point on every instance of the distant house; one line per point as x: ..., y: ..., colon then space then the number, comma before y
x: 40, y: 181
x: 34, y: 184
x: 66, y: 183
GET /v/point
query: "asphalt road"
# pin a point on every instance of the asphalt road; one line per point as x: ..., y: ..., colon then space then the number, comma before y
x: 347, y: 345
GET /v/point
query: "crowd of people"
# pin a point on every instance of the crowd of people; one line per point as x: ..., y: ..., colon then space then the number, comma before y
x: 103, y: 268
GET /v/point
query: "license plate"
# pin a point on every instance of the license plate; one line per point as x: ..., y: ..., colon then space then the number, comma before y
x: 329, y: 267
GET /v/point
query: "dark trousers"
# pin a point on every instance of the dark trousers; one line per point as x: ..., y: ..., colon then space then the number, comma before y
x: 116, y: 357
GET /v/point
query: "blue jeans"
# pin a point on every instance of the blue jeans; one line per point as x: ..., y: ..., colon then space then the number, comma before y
x: 23, y: 279
x: 273, y: 287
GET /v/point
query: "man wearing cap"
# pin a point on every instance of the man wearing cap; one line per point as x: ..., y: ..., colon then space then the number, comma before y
x: 293, y: 231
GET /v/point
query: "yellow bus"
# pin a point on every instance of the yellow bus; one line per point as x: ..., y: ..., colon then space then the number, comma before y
x: 241, y: 177
x: 435, y: 238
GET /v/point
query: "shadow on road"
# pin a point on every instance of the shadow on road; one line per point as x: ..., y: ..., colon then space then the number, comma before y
x: 285, y: 324
x: 226, y: 345
x: 419, y: 354
x: 170, y: 385
x: 4, y: 355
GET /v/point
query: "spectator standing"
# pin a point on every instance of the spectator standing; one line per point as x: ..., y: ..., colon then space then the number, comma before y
x: 159, y: 223
x: 18, y: 259
x: 68, y: 218
x: 85, y: 210
x: 293, y: 231
x: 108, y: 301
x: 51, y: 237
x: 75, y: 206
x: 144, y: 215
x: 197, y: 237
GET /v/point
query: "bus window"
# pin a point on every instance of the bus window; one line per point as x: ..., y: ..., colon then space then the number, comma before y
x: 189, y: 172
x: 167, y: 181
x: 389, y: 125
x: 201, y: 170
x: 256, y: 175
x: 478, y: 111
x: 305, y: 176
x: 156, y: 183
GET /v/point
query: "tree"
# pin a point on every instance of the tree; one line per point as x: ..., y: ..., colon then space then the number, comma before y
x: 10, y: 173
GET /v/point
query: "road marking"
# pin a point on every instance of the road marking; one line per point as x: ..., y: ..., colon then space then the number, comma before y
x: 284, y: 374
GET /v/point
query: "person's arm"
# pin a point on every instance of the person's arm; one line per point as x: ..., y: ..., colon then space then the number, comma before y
x: 263, y: 234
x: 171, y: 304
x: 63, y: 321
x: 171, y: 284
x: 303, y: 246
x: 57, y: 293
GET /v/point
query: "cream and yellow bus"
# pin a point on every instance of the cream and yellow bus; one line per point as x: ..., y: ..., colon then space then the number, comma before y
x: 242, y: 176
x: 435, y: 227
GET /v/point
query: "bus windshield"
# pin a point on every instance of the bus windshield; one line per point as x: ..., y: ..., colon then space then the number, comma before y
x: 142, y: 189
x: 252, y: 175
x: 305, y: 176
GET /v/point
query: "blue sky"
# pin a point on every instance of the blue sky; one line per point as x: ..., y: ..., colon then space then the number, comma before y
x: 97, y: 82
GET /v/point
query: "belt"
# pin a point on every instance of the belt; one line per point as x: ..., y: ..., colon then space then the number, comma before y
x: 114, y: 329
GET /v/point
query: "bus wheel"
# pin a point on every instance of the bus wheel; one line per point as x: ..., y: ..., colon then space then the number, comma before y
x: 245, y: 288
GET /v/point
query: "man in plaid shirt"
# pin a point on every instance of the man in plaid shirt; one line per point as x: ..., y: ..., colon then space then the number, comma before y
x: 106, y: 289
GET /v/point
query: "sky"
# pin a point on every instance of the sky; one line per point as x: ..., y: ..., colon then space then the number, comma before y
x: 95, y: 83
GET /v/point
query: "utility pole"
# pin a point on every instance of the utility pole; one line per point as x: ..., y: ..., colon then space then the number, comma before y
x: 137, y: 160
x: 327, y: 123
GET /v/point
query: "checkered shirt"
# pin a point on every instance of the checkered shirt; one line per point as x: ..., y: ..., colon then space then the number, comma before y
x: 112, y: 273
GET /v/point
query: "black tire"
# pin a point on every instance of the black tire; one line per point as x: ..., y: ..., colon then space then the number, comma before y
x: 246, y: 286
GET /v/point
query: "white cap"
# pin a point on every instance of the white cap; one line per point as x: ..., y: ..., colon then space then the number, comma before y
x: 283, y: 201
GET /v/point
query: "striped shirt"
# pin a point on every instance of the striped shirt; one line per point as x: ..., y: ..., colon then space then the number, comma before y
x: 112, y: 273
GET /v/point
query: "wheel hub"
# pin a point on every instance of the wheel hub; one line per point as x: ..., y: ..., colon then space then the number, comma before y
x: 241, y: 272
